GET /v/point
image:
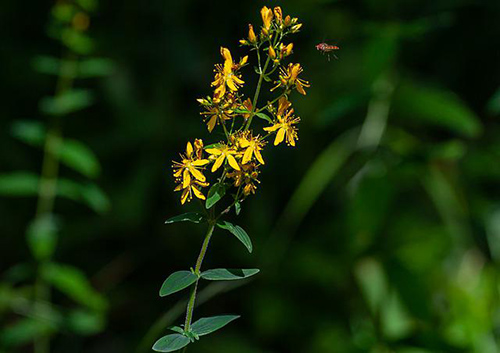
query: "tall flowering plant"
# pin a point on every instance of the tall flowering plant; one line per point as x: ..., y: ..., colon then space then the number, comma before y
x: 233, y: 163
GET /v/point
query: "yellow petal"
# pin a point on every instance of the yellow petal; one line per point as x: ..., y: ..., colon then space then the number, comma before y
x: 211, y: 123
x: 186, y: 178
x: 232, y: 162
x: 279, y: 136
x: 189, y: 149
x: 214, y: 151
x: 178, y: 187
x: 247, y: 156
x: 300, y: 89
x: 197, y: 174
x: 272, y: 128
x: 231, y: 84
x: 218, y: 163
x: 258, y: 156
x: 226, y: 54
x: 184, y: 195
x: 198, y: 193
x: 200, y: 162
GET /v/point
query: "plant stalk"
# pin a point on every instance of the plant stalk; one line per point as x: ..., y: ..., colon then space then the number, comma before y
x: 199, y: 261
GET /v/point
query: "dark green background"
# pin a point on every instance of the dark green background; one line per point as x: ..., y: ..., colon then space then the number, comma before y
x: 364, y: 247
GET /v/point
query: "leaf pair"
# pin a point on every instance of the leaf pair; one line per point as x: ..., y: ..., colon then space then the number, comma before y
x: 204, y: 326
x: 179, y: 280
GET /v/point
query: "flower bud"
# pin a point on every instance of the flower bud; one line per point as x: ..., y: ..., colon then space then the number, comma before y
x: 267, y: 16
x: 288, y: 21
x: 278, y: 15
x: 252, y: 38
x: 272, y: 53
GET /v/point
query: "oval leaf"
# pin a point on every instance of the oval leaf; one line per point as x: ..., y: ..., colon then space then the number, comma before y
x: 238, y: 232
x: 216, y: 192
x: 78, y: 156
x: 186, y: 217
x: 207, y: 325
x: 228, y: 274
x: 171, y: 343
x: 177, y: 281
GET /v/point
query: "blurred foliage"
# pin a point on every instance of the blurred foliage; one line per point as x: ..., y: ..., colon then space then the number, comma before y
x: 383, y: 234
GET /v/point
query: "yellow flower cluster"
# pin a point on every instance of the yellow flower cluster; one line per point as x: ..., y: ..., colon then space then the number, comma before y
x: 237, y: 159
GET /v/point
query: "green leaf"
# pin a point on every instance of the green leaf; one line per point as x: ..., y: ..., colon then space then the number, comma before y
x: 171, y: 343
x: 226, y: 274
x: 30, y: 132
x: 95, y: 67
x: 22, y: 332
x: 216, y: 192
x: 177, y: 281
x: 237, y: 207
x: 85, y: 322
x: 176, y: 329
x: 42, y: 237
x: 238, y: 232
x: 264, y: 117
x: 213, y: 145
x: 73, y: 282
x: 208, y: 325
x: 95, y: 198
x: 79, y: 157
x: 19, y: 184
x: 194, y: 217
x: 242, y: 111
x: 66, y: 103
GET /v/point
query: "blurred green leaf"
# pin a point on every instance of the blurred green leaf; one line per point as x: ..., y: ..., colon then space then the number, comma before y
x: 74, y: 284
x: 493, y: 105
x: 216, y: 192
x: 171, y: 343
x: 78, y: 156
x: 84, y: 68
x: 42, y: 237
x: 177, y: 281
x: 84, y: 322
x: 426, y: 105
x: 19, y: 184
x: 77, y: 41
x: 95, y: 198
x: 30, y: 132
x: 95, y: 67
x: 341, y: 106
x: 238, y: 232
x: 373, y: 282
x: 22, y: 332
x: 193, y: 217
x: 68, y: 102
x: 226, y: 274
x: 207, y: 325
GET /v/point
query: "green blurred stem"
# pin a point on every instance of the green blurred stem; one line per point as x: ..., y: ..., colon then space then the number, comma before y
x: 199, y: 261
x: 47, y: 189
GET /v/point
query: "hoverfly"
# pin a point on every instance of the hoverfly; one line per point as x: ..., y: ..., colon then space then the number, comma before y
x: 327, y: 49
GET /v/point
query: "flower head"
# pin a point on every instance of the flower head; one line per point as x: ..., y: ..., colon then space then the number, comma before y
x: 289, y: 79
x: 252, y: 145
x: 226, y: 74
x: 285, y: 124
x: 188, y: 172
x: 221, y: 153
x: 246, y: 177
x: 218, y: 112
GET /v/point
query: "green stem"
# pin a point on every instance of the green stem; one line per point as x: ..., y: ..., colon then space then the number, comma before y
x: 47, y: 189
x: 199, y: 261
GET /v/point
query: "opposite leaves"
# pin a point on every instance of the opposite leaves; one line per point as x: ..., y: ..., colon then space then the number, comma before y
x: 177, y: 281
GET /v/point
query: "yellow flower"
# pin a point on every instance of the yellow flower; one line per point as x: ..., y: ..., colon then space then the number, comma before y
x: 220, y: 154
x: 226, y: 75
x: 188, y: 172
x: 218, y: 111
x: 272, y: 53
x: 286, y: 50
x: 252, y: 146
x: 192, y: 188
x: 289, y: 78
x: 285, y: 123
x: 267, y: 17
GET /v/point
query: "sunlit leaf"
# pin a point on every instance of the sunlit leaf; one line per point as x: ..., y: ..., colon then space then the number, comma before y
x: 171, y: 343
x: 216, y: 192
x: 228, y: 274
x: 208, y: 325
x: 238, y: 232
x: 193, y: 217
x: 177, y: 281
